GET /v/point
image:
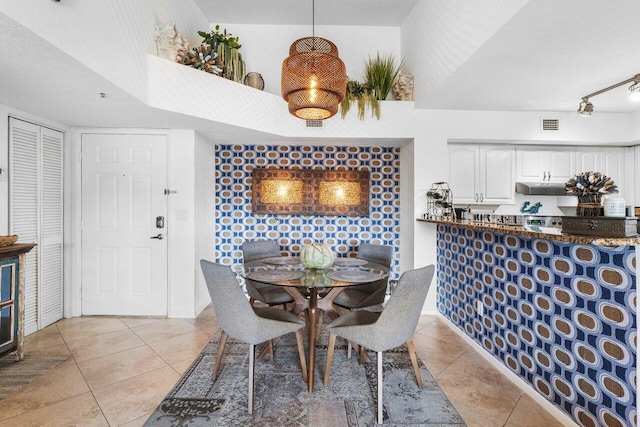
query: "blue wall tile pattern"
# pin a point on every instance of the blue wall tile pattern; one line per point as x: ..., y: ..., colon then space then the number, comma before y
x: 561, y: 316
x: 235, y: 223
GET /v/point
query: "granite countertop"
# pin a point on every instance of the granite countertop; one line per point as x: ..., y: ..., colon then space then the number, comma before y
x: 548, y: 233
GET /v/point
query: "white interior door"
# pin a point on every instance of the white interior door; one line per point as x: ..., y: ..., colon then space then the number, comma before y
x: 124, y: 269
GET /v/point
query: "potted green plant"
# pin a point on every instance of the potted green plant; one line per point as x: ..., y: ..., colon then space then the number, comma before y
x: 228, y: 56
x: 363, y: 96
x: 380, y: 73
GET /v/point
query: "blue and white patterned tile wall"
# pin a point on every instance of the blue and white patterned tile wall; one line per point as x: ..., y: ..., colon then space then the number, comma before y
x: 235, y: 223
x: 562, y: 316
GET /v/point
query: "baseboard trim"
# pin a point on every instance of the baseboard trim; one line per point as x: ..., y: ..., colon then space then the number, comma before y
x: 560, y: 415
x: 181, y: 315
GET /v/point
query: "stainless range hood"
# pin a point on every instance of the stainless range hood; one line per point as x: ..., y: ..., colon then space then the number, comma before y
x: 541, y: 188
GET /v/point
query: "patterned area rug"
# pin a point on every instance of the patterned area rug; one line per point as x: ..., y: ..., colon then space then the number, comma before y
x: 281, y: 397
x: 15, y: 375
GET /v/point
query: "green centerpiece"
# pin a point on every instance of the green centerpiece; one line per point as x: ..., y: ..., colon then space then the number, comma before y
x: 317, y: 255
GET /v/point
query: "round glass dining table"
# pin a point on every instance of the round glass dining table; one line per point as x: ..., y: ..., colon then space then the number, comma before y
x: 322, y: 286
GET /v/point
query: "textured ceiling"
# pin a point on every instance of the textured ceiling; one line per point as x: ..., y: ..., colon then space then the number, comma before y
x: 298, y: 12
x: 504, y: 55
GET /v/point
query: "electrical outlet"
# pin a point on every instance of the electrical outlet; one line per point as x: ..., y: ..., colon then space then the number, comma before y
x: 480, y: 308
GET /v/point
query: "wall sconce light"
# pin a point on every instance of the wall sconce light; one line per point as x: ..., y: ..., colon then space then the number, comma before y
x: 310, y: 192
x: 339, y: 193
x: 281, y: 191
x: 586, y: 107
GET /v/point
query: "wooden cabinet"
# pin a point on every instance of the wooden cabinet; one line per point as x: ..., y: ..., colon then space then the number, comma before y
x: 538, y: 163
x: 12, y: 281
x: 482, y: 174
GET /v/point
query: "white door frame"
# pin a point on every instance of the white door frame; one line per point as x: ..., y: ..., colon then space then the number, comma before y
x: 73, y: 205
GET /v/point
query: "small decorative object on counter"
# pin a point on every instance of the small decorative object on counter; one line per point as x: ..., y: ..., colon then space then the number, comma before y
x: 440, y: 202
x: 317, y: 255
x: 615, y: 207
x: 589, y: 187
x: 528, y: 208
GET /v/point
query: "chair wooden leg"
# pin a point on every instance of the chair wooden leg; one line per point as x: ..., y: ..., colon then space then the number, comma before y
x: 330, y: 348
x: 349, y: 349
x: 301, y: 354
x: 271, y: 350
x: 252, y: 362
x: 362, y: 353
x: 379, y: 387
x: 221, y: 344
x: 414, y: 361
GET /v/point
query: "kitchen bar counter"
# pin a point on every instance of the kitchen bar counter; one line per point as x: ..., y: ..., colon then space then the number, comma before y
x: 550, y: 235
x: 559, y: 311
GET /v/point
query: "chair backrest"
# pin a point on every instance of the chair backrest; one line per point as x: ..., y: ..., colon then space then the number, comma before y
x: 233, y: 311
x: 258, y: 249
x: 400, y: 316
x: 380, y: 254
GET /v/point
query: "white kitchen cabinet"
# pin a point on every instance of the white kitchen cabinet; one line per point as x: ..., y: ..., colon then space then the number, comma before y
x: 482, y: 174
x: 607, y: 160
x: 538, y: 163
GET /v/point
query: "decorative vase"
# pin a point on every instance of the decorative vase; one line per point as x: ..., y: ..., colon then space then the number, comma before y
x: 317, y: 255
x: 589, y: 205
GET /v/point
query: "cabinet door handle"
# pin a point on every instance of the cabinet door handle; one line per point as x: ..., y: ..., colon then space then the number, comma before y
x: 476, y: 197
x: 549, y: 176
x: 544, y: 175
x: 481, y: 197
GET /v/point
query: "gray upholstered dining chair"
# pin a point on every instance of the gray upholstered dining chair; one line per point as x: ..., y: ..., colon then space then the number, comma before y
x: 268, y: 294
x: 382, y: 331
x: 238, y: 320
x: 369, y: 294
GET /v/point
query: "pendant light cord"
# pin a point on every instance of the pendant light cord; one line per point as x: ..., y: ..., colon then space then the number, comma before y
x: 313, y: 20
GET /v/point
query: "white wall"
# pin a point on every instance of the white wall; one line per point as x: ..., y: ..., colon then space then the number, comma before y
x: 434, y: 129
x: 181, y: 223
x: 109, y: 37
x: 264, y: 47
x: 205, y: 238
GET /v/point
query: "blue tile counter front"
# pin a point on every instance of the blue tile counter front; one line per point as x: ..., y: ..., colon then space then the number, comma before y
x: 236, y: 223
x: 560, y: 315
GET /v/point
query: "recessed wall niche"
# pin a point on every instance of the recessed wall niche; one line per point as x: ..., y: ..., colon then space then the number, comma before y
x: 235, y: 222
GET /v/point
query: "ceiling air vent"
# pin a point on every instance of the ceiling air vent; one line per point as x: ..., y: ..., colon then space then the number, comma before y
x: 314, y: 123
x: 550, y: 125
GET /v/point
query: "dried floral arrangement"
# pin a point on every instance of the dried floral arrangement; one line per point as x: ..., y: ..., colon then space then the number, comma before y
x: 590, y: 184
x: 203, y: 58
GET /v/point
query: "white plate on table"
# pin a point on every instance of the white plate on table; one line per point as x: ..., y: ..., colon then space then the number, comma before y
x: 349, y: 262
x: 274, y: 275
x: 282, y: 260
x: 354, y: 276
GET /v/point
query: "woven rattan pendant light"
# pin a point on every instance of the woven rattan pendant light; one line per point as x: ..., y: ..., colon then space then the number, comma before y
x: 314, y: 78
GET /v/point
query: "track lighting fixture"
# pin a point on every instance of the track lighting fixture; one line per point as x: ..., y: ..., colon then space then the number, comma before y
x: 586, y: 107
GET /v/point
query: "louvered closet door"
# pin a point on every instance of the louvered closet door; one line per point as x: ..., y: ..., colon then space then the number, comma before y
x: 35, y: 215
x: 51, y: 228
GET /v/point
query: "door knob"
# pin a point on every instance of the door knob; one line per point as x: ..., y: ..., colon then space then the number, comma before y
x: 159, y: 237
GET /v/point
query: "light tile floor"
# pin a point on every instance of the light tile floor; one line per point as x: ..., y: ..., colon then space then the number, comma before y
x: 121, y: 367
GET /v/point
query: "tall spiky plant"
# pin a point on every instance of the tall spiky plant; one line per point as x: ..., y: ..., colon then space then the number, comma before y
x: 380, y: 72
